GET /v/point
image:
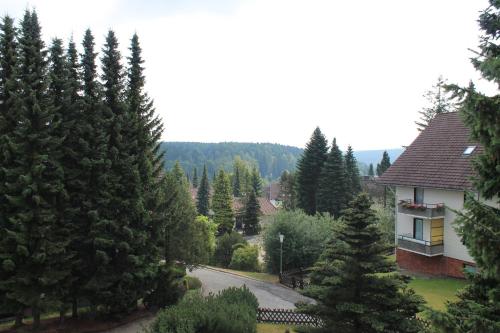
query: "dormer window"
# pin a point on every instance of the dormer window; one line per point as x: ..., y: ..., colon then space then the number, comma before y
x: 469, y: 150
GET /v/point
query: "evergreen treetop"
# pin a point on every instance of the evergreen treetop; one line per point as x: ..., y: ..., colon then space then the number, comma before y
x: 222, y: 203
x: 439, y: 103
x: 353, y: 183
x: 251, y: 214
x: 384, y: 164
x: 308, y: 171
x: 203, y: 195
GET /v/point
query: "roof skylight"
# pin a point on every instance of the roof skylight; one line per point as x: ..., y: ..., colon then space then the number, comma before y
x: 469, y: 150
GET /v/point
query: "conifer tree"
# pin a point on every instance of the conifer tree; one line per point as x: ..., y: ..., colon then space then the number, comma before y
x: 308, y: 171
x: 195, y: 178
x: 288, y: 195
x: 478, y: 225
x: 251, y: 215
x: 125, y: 206
x: 236, y: 182
x: 332, y: 190
x: 256, y: 182
x: 351, y: 294
x: 371, y: 173
x: 222, y: 203
x: 384, y: 164
x: 439, y: 103
x: 353, y: 182
x: 10, y: 109
x: 203, y: 195
x: 42, y: 261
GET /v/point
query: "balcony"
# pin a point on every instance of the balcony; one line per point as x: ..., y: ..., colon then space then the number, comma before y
x: 423, y: 210
x: 427, y: 248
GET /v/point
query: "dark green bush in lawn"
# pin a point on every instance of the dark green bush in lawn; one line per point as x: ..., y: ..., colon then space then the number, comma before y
x: 226, y: 244
x: 168, y: 286
x: 233, y: 310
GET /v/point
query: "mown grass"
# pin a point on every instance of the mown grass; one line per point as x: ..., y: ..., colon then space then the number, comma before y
x: 266, y: 277
x: 437, y: 291
x: 272, y: 328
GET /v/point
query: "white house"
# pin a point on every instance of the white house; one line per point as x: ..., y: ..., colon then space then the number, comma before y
x: 431, y: 178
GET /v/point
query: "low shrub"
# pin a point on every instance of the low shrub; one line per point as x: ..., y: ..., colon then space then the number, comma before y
x: 232, y: 310
x: 245, y: 258
x: 192, y: 283
x: 168, y: 287
x: 226, y: 245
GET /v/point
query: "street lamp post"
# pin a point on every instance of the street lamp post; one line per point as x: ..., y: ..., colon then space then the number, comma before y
x: 282, y: 237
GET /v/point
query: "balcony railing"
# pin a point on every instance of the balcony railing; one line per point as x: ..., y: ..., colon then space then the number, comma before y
x: 428, y: 248
x: 424, y: 210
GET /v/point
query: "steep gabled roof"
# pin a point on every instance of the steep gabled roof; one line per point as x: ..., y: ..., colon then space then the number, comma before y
x: 436, y: 158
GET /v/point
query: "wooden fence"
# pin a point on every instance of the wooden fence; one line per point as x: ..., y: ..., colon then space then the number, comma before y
x: 295, y: 279
x: 287, y: 317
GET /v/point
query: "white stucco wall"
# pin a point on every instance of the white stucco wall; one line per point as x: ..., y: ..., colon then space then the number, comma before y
x: 453, y: 247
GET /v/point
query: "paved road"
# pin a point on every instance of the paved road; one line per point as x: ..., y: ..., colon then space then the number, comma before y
x: 270, y: 295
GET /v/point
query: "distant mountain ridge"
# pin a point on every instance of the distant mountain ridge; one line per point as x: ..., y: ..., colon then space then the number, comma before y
x: 272, y: 159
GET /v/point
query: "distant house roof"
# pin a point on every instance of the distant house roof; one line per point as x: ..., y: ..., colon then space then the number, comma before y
x: 266, y: 207
x: 273, y: 191
x: 437, y: 158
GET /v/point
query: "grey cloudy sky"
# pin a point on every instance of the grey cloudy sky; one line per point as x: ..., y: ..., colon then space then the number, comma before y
x: 273, y: 70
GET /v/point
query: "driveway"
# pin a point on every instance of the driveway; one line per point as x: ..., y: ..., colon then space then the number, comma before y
x: 268, y: 294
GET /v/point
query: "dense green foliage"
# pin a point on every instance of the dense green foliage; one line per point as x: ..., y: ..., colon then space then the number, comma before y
x: 231, y: 310
x: 308, y: 171
x: 305, y: 238
x: 384, y: 164
x: 245, y: 258
x: 203, y: 194
x: 353, y: 182
x: 332, y: 193
x: 86, y: 210
x: 251, y: 215
x: 226, y: 245
x: 439, y: 102
x: 386, y: 223
x: 371, y: 173
x: 270, y: 159
x: 222, y: 203
x: 477, y: 309
x: 288, y: 193
x: 346, y: 282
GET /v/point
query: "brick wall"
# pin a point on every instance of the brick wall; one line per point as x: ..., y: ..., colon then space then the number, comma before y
x: 437, y: 266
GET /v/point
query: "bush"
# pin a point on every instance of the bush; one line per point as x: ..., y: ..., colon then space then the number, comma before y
x: 168, y: 287
x: 305, y: 239
x: 232, y: 310
x: 192, y: 283
x: 245, y: 258
x: 386, y: 221
x: 226, y: 245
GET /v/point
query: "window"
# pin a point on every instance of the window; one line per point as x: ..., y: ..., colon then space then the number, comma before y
x: 470, y: 269
x: 418, y: 229
x: 469, y: 150
x: 418, y: 195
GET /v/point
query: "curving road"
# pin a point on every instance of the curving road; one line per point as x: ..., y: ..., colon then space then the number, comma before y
x: 269, y: 295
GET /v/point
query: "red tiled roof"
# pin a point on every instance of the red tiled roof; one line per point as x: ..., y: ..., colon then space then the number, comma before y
x: 266, y: 207
x: 436, y: 158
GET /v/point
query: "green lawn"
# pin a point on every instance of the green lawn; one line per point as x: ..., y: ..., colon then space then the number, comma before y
x: 272, y: 328
x: 436, y: 291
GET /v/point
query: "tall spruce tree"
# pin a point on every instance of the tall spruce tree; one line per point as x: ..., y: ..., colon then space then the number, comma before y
x: 125, y: 205
x: 222, y: 203
x: 203, y: 195
x: 353, y: 182
x: 251, y: 214
x: 371, y: 172
x: 332, y: 193
x: 384, y: 164
x: 308, y: 171
x: 195, y: 181
x: 288, y: 194
x: 477, y: 308
x: 10, y: 109
x: 37, y: 186
x: 236, y: 182
x: 439, y: 102
x: 351, y: 294
x: 256, y: 182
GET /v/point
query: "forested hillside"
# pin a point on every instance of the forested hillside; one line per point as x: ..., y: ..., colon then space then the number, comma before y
x: 271, y: 159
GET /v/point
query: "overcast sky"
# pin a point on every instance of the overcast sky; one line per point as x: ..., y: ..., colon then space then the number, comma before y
x: 273, y: 70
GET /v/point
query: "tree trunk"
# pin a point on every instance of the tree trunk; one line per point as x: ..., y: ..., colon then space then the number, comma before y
x: 62, y: 315
x: 19, y: 318
x: 36, y: 318
x: 74, y: 309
